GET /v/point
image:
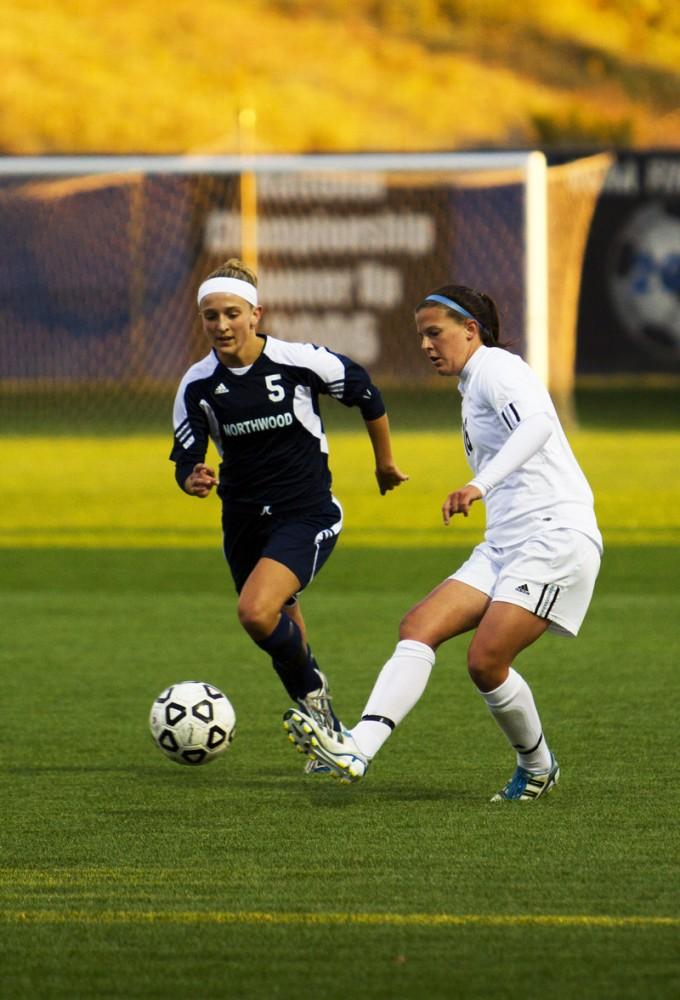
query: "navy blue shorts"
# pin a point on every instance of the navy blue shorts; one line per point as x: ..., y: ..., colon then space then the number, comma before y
x: 301, y: 541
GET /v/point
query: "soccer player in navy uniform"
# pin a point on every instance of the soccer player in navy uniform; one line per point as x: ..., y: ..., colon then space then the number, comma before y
x: 257, y: 398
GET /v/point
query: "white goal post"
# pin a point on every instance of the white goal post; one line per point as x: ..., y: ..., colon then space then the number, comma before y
x: 531, y: 166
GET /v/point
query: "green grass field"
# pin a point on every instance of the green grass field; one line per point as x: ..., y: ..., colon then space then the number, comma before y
x: 123, y: 875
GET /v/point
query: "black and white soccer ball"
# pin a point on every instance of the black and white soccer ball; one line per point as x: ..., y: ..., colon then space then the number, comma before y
x: 192, y: 722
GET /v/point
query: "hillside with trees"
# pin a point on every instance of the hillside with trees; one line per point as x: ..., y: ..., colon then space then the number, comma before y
x: 88, y: 76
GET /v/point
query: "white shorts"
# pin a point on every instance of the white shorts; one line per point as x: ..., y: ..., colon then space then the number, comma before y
x: 551, y: 575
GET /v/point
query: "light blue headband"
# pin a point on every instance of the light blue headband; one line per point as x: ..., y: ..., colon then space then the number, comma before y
x: 456, y: 308
x: 452, y: 305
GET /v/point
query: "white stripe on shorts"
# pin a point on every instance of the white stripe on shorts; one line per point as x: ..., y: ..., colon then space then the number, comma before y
x: 327, y: 533
x: 547, y: 599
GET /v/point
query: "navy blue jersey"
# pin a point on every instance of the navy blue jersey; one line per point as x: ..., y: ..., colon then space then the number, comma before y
x: 265, y: 422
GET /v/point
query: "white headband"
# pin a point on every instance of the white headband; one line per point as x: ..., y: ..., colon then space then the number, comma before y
x: 232, y: 286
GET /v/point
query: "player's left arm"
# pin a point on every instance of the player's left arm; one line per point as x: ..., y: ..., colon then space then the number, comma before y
x: 348, y: 382
x: 360, y: 391
x: 527, y: 438
x: 387, y: 473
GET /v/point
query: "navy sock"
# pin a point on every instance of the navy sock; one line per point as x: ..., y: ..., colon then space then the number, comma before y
x: 292, y: 658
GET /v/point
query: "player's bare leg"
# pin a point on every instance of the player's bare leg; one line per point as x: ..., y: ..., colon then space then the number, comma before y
x: 263, y: 595
x: 449, y: 610
x: 504, y: 631
x: 280, y: 631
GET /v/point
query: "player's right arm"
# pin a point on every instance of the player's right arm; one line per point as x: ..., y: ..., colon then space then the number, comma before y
x: 191, y: 436
x: 460, y: 501
x: 200, y: 481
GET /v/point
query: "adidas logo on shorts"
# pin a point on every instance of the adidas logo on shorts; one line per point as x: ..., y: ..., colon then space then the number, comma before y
x: 522, y: 589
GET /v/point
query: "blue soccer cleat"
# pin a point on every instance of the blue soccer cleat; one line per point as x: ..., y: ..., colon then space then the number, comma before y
x: 525, y: 786
x: 316, y: 767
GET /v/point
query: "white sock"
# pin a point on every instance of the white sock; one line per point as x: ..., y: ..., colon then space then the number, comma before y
x: 512, y: 706
x: 398, y: 687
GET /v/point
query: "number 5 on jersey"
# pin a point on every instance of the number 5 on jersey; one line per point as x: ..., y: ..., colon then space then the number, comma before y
x: 276, y: 391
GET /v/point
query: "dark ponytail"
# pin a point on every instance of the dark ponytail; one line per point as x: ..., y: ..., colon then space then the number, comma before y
x: 475, y: 305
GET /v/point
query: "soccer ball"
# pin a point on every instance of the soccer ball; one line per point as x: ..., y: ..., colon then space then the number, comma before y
x: 192, y: 722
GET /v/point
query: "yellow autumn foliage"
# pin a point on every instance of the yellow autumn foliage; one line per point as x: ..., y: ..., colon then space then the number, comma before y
x: 90, y: 76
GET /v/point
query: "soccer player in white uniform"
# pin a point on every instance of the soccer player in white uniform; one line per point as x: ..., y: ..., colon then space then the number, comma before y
x: 534, y: 571
x: 257, y: 398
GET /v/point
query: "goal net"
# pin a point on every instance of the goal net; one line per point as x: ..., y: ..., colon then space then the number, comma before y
x: 98, y: 316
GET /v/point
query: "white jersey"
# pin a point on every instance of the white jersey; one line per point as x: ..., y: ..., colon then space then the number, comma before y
x: 548, y: 490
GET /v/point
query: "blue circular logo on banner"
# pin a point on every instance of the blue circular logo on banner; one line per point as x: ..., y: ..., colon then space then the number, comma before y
x: 644, y: 280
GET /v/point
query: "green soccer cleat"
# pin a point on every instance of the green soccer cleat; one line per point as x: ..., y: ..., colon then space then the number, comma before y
x: 334, y: 749
x: 524, y: 786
